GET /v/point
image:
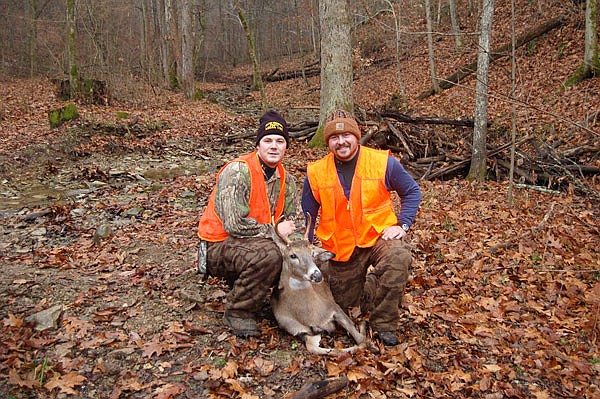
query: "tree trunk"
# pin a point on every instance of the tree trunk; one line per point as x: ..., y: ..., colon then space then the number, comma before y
x: 590, y: 67
x: 187, y: 49
x: 73, y: 75
x: 434, y: 79
x: 513, y: 81
x: 163, y: 33
x: 175, y: 46
x: 455, y: 24
x: 336, y: 62
x: 397, y: 26
x: 590, y: 59
x: 478, y: 157
x: 257, y: 83
x: 144, y: 37
x: 32, y: 36
x: 199, y: 28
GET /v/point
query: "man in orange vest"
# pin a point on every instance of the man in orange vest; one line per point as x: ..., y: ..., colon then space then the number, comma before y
x: 234, y: 229
x: 351, y: 188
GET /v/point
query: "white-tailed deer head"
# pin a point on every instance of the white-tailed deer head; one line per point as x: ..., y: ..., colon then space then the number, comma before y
x: 299, y: 258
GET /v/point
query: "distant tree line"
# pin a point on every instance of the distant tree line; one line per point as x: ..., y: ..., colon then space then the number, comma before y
x: 158, y: 40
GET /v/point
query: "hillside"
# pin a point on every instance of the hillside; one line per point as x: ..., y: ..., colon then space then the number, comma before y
x: 98, y: 223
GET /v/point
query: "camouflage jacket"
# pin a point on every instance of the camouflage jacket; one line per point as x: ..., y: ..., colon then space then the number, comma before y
x: 233, y: 197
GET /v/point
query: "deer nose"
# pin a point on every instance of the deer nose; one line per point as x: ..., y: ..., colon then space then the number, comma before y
x: 316, y: 276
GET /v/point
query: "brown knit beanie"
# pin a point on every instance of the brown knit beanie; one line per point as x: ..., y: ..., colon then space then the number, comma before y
x: 272, y: 123
x: 340, y: 121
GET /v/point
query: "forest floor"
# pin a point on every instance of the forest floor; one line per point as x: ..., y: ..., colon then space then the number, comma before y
x: 98, y: 221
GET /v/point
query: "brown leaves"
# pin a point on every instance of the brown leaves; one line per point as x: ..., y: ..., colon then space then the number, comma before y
x: 502, y: 302
x: 66, y: 383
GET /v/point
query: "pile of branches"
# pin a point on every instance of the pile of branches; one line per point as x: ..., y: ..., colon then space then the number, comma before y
x: 434, y: 148
x: 429, y: 152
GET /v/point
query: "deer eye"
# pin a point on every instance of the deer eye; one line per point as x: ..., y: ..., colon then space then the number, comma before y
x: 293, y: 256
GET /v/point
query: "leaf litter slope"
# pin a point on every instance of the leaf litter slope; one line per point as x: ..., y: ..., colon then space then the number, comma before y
x: 502, y: 302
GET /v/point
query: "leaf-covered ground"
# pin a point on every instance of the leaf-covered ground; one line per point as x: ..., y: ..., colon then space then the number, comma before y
x: 98, y: 224
x: 99, y: 218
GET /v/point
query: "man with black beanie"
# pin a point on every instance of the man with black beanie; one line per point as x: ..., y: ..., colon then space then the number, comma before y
x: 234, y: 229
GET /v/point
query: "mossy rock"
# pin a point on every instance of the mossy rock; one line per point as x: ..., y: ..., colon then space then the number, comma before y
x: 58, y: 116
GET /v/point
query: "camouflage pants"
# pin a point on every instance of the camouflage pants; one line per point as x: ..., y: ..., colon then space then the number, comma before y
x: 374, y: 279
x: 251, y: 266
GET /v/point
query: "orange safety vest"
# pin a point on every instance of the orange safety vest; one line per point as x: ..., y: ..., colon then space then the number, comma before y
x: 210, y: 227
x: 358, y: 222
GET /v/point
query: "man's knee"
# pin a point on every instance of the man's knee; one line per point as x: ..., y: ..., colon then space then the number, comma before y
x: 267, y: 260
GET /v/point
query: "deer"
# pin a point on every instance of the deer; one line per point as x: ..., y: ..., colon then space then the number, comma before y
x: 302, y: 302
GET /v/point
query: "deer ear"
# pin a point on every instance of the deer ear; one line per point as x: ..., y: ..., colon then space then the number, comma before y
x: 321, y: 254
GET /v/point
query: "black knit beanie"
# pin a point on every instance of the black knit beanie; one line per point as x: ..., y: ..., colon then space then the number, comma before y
x: 272, y: 123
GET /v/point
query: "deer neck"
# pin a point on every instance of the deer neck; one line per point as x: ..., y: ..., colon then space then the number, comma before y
x: 298, y: 284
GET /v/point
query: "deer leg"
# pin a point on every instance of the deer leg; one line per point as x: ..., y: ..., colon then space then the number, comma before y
x: 342, y: 319
x: 313, y: 345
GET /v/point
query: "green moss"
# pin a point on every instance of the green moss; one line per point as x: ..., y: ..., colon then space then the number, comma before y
x: 318, y: 140
x: 59, y: 115
x: 54, y: 118
x: 69, y: 112
x: 583, y: 73
x: 199, y: 95
x: 122, y: 115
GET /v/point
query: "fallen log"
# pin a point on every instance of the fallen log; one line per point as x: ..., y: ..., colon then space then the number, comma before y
x: 518, y: 171
x: 398, y: 134
x: 467, y: 161
x: 319, y: 389
x: 427, y: 120
x: 278, y: 76
x: 495, y: 54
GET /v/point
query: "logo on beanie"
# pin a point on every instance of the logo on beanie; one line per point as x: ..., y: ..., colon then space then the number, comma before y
x: 273, y: 126
x: 339, y: 126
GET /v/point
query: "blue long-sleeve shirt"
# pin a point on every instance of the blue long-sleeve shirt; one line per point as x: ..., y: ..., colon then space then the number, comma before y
x: 396, y: 179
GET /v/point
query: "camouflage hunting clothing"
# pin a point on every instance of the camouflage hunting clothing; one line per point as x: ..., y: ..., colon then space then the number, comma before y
x: 233, y: 198
x: 378, y: 289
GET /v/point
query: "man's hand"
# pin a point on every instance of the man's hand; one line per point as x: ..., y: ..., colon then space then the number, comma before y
x: 393, y: 233
x: 286, y: 228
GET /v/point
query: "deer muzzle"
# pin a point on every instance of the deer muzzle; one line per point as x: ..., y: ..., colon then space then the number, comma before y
x: 316, y: 276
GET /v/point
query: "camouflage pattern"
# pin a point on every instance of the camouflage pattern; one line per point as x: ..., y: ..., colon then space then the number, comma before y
x: 248, y: 259
x: 373, y: 279
x: 251, y: 266
x: 233, y: 197
x: 202, y: 254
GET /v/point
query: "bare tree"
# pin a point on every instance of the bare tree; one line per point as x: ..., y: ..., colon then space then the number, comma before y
x: 336, y: 62
x: 478, y: 157
x: 434, y: 79
x: 591, y: 63
x: 455, y: 24
x: 395, y: 10
x: 187, y: 49
x: 513, y: 80
x: 590, y: 58
x: 163, y: 10
x: 32, y: 35
x: 73, y: 74
x: 257, y: 82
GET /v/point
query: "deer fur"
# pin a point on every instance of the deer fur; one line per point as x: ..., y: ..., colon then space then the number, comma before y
x: 303, y: 303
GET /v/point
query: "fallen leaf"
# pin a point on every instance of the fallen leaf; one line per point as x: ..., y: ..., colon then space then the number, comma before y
x: 65, y: 383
